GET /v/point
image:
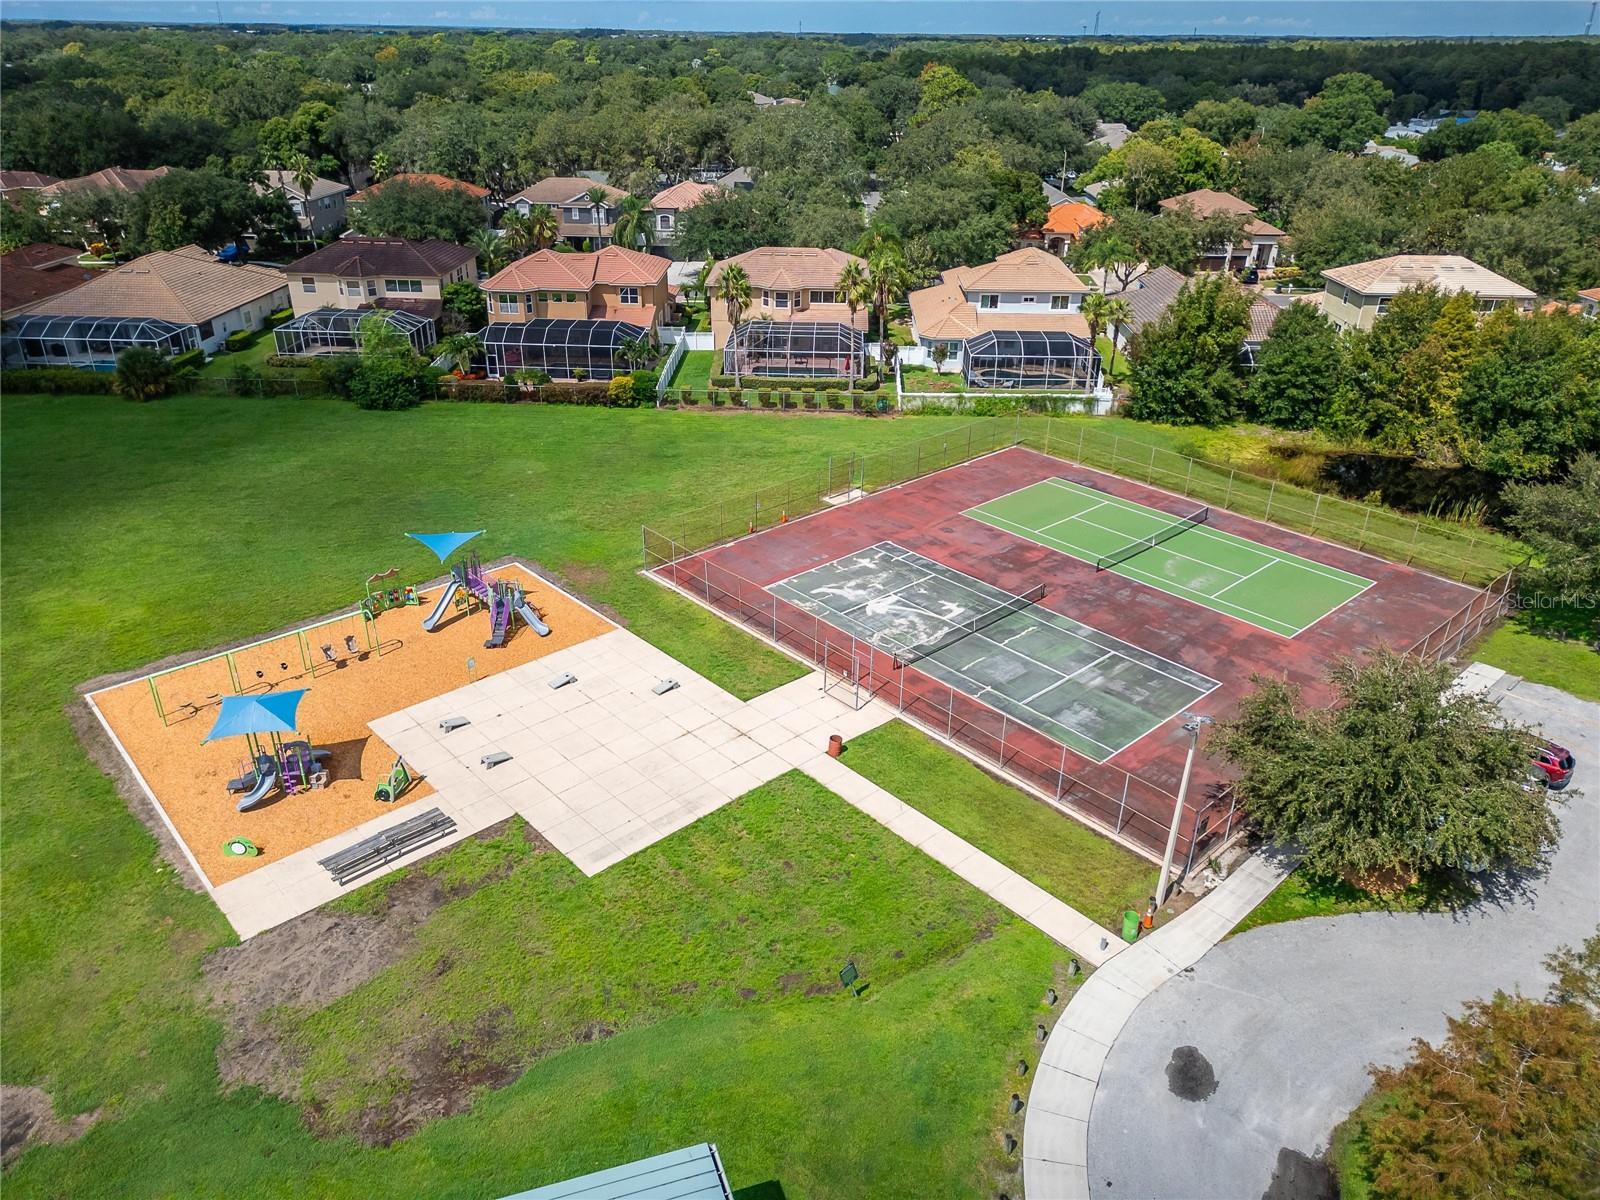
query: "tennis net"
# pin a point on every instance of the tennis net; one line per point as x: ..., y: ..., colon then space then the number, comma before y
x: 1155, y: 539
x: 904, y: 658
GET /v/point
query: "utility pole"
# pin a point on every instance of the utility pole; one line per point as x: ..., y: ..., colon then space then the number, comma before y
x: 1192, y: 728
x: 1097, y: 22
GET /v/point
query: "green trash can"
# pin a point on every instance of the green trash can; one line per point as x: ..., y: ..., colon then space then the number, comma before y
x: 1130, y: 925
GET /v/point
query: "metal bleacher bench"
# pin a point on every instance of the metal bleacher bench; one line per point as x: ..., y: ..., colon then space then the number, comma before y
x: 381, y: 849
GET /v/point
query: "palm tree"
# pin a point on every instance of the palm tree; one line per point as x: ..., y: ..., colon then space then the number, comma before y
x: 1094, y: 314
x: 636, y: 352
x: 380, y: 165
x: 855, y: 289
x: 517, y: 233
x: 1118, y: 312
x: 633, y: 224
x: 599, y: 197
x: 490, y: 248
x: 733, y: 289
x: 890, y: 276
x: 543, y: 225
x: 303, y: 173
x: 461, y: 349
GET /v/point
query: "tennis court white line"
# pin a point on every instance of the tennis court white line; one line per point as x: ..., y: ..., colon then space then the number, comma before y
x: 1064, y: 678
x: 1157, y: 582
x: 1264, y: 566
x: 1223, y: 535
x: 983, y: 689
x: 1078, y: 516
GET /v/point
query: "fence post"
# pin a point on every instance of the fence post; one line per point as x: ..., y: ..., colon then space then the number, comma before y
x: 1122, y: 807
x: 1188, y: 480
x: 1080, y: 443
x: 1150, y: 468
x: 1061, y: 776
x: 1229, y: 495
x: 1316, y: 507
x: 1361, y: 538
x: 1271, y: 492
x: 1416, y: 532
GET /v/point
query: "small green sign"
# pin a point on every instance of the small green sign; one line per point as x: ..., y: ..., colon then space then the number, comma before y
x: 849, y: 975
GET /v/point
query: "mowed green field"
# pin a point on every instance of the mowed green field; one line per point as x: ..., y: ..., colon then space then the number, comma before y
x: 132, y: 532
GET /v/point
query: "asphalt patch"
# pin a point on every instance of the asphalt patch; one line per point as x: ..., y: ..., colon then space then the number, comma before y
x: 1298, y: 1177
x: 1189, y: 1075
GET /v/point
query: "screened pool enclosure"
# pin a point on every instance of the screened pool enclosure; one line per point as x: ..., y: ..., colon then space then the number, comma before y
x: 794, y: 349
x: 1031, y: 359
x: 42, y: 340
x: 335, y: 330
x: 559, y: 348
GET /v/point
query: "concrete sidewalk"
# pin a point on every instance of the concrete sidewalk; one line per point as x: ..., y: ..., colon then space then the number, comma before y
x: 1056, y: 919
x: 1055, y: 1137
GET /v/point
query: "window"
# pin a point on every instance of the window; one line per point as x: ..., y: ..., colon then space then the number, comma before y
x: 1030, y: 299
x: 544, y: 297
x: 527, y: 302
x: 664, y: 220
x: 372, y: 287
x: 206, y: 330
x: 572, y: 297
x: 308, y: 283
x: 824, y: 297
x: 780, y: 299
x: 628, y: 295
x: 352, y: 287
x: 409, y: 286
x: 505, y: 303
x: 766, y: 299
x: 988, y: 300
x: 1064, y: 303
x: 1383, y: 305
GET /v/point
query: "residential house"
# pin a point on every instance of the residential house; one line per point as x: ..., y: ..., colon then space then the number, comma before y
x: 1263, y: 315
x: 1589, y: 302
x: 427, y: 179
x: 1065, y: 224
x: 170, y: 301
x: 14, y: 182
x: 36, y: 272
x: 1052, y: 194
x: 109, y: 179
x: 787, y: 283
x: 668, y: 206
x: 738, y: 180
x: 761, y: 101
x: 1016, y: 321
x: 1355, y: 295
x: 1258, y: 249
x: 373, y: 272
x: 583, y: 222
x: 320, y: 210
x: 561, y: 312
x: 1393, y: 153
x: 1149, y: 294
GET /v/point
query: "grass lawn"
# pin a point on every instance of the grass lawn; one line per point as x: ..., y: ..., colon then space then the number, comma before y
x: 1301, y: 896
x: 255, y: 355
x: 657, y: 1006
x: 1096, y: 876
x: 695, y: 369
x: 1114, y: 372
x: 175, y: 525
x: 1571, y: 665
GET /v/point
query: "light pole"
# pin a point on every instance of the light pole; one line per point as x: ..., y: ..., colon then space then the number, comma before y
x: 1192, y: 728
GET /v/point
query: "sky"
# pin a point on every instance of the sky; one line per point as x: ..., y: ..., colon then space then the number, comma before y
x: 1279, y: 18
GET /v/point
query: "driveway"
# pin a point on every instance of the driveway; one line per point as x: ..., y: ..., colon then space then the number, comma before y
x: 1243, y: 1064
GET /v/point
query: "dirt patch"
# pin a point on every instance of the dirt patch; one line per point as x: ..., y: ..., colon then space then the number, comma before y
x: 28, y: 1118
x: 1299, y: 1177
x: 790, y: 980
x: 1190, y: 1075
x: 313, y: 960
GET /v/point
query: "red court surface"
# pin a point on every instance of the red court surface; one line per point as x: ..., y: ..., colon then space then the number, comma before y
x: 1402, y: 607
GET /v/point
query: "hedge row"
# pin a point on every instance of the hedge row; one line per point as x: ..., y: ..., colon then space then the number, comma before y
x: 835, y: 402
x: 55, y: 381
x: 864, y: 383
x: 495, y: 391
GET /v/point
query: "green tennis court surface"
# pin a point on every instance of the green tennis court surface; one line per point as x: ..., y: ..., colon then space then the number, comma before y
x: 1270, y: 589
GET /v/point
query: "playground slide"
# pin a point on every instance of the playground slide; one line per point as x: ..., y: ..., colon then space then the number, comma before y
x: 266, y: 780
x: 525, y: 611
x: 439, y: 609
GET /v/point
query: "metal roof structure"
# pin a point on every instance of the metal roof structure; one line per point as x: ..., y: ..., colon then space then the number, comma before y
x: 338, y: 328
x: 693, y: 1173
x: 558, y: 347
x: 1031, y: 358
x: 796, y: 348
x: 44, y: 338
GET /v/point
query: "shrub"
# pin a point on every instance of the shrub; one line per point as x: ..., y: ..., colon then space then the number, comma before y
x: 644, y: 387
x: 189, y: 358
x: 722, y: 381
x: 387, y: 384
x: 244, y: 380
x: 291, y: 361
x: 239, y: 339
x: 279, y: 317
x: 55, y: 381
x: 480, y: 391
x: 531, y: 375
x: 686, y: 396
x: 142, y: 374
x: 718, y: 398
x: 336, y: 371
x: 620, y: 390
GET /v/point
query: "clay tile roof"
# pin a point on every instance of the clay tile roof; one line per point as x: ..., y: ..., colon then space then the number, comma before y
x: 40, y: 256
x: 1590, y: 293
x: 25, y: 179
x: 562, y: 189
x: 116, y: 179
x: 1073, y: 218
x: 684, y: 195
x: 424, y: 179
x: 1150, y: 294
x: 364, y: 256
x: 285, y: 180
x: 944, y: 313
x: 788, y: 266
x: 1028, y: 269
x: 1446, y: 272
x: 1206, y: 203
x: 21, y: 287
x: 186, y: 286
x: 1263, y: 316
x: 552, y: 270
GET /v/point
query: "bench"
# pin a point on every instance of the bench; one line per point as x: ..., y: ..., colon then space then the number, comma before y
x: 381, y: 849
x: 451, y: 724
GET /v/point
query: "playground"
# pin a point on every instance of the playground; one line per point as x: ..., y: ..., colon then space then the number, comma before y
x: 354, y: 669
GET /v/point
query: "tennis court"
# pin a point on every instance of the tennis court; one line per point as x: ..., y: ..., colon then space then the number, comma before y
x: 1090, y: 691
x: 1177, y: 553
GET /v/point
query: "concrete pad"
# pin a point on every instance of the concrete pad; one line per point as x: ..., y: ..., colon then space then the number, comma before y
x: 1062, y: 1141
x: 1046, y: 1180
x: 1061, y: 1093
